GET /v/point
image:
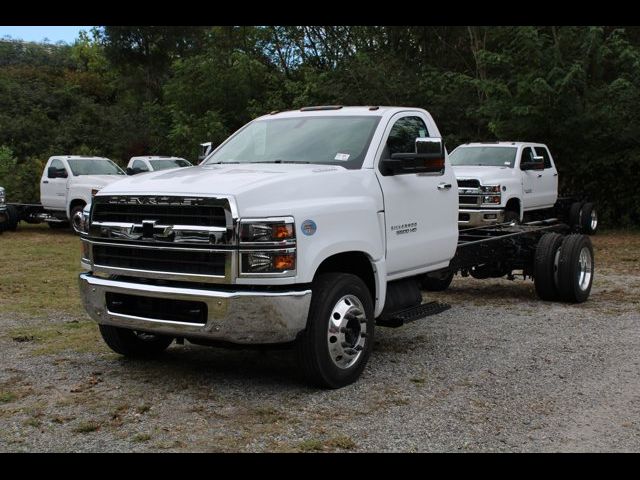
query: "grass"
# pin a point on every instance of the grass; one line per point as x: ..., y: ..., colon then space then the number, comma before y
x: 335, y: 443
x: 141, y: 438
x: 39, y: 271
x: 7, y: 397
x: 79, y: 336
x: 87, y: 427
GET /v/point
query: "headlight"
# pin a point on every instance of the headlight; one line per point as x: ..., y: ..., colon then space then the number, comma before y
x: 2, y: 196
x: 274, y: 231
x: 491, y: 199
x: 268, y: 261
x: 268, y: 232
x: 94, y: 191
x: 490, y: 188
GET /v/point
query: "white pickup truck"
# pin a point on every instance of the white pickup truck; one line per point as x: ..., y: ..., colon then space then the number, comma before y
x: 511, y: 181
x: 153, y: 163
x: 67, y: 184
x: 308, y: 227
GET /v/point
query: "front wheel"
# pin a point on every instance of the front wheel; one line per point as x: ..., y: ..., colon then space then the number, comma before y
x: 133, y: 343
x: 76, y: 218
x: 335, y: 347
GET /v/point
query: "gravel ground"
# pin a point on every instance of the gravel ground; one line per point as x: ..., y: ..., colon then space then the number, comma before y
x: 499, y: 371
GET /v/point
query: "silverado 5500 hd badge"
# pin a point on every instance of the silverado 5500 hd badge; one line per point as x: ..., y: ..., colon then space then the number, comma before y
x: 405, y: 228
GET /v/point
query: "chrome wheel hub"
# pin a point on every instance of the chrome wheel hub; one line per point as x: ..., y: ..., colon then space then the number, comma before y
x: 594, y: 220
x: 585, y: 263
x: 76, y: 221
x: 347, y: 332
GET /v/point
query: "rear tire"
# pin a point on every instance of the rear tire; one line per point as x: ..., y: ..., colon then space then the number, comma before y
x: 134, y: 344
x: 574, y: 216
x: 575, y: 268
x: 589, y: 219
x: 436, y: 281
x: 333, y: 351
x: 544, y: 266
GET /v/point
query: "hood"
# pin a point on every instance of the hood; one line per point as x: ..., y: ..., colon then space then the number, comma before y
x: 232, y: 179
x: 261, y: 190
x: 97, y: 180
x: 486, y: 175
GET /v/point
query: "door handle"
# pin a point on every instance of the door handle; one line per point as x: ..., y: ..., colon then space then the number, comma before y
x: 555, y: 174
x: 539, y: 175
x: 45, y: 181
x: 444, y: 186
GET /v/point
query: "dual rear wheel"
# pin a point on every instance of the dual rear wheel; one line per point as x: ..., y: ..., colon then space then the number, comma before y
x: 563, y: 267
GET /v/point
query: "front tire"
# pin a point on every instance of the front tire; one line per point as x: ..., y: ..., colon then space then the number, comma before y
x: 336, y: 345
x: 131, y: 343
x: 511, y: 216
x: 76, y: 218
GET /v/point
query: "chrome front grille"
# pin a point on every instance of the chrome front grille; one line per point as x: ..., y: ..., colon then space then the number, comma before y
x: 165, y: 210
x: 171, y: 237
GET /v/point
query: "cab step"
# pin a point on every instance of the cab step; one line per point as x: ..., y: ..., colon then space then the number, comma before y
x: 397, y: 319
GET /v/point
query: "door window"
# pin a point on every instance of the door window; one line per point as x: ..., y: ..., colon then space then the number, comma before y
x: 58, y: 165
x: 402, y: 138
x: 527, y: 155
x: 140, y: 165
x: 542, y: 152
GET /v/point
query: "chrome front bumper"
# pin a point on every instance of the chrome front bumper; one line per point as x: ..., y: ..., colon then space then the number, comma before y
x: 244, y: 317
x: 477, y: 217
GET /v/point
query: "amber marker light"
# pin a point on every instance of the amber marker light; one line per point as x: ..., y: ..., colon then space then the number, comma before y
x: 284, y: 262
x: 282, y: 231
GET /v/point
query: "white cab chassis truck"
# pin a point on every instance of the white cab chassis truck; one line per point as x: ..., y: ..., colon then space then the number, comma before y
x: 67, y: 185
x: 502, y: 182
x: 308, y: 228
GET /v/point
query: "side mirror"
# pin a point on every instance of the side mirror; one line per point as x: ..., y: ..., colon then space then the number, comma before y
x: 205, y: 149
x: 130, y: 171
x: 428, y: 158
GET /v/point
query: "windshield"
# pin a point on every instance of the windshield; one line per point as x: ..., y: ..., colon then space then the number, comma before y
x: 338, y: 140
x: 93, y: 166
x: 484, y: 156
x: 169, y: 163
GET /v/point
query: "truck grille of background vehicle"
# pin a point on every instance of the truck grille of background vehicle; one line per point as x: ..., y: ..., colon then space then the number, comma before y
x: 157, y: 308
x: 469, y: 183
x: 414, y: 313
x: 175, y: 261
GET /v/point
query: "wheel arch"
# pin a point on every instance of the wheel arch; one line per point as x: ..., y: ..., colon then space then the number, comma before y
x: 362, y: 265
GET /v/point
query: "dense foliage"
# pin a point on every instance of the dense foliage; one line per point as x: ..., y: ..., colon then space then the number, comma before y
x: 124, y: 91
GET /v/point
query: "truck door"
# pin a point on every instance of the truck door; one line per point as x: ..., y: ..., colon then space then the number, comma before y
x: 549, y: 180
x: 421, y: 209
x: 531, y: 182
x: 53, y: 189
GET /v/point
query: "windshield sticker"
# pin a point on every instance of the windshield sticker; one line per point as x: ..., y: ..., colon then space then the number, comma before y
x: 342, y: 157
